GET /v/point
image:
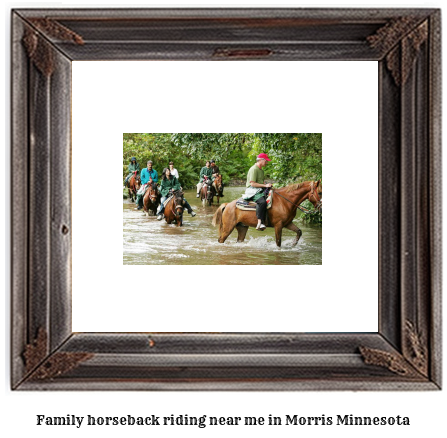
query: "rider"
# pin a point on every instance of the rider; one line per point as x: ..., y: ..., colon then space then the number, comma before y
x: 205, y: 171
x: 169, y: 184
x: 148, y: 176
x: 216, y: 172
x: 255, y: 188
x: 131, y: 168
x: 173, y: 170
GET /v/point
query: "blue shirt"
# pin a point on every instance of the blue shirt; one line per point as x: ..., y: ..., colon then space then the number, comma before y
x: 146, y: 175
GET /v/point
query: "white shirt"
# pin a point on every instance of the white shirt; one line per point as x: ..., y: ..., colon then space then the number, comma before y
x: 174, y: 172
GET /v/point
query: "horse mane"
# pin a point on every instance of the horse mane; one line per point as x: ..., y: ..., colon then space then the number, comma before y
x: 178, y: 194
x: 293, y: 187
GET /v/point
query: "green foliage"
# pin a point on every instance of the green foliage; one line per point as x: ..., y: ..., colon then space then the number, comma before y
x: 187, y: 174
x: 160, y: 149
x: 219, y: 147
x: 313, y: 217
x: 295, y: 157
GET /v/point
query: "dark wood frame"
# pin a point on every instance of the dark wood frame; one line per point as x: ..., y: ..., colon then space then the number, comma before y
x: 405, y: 354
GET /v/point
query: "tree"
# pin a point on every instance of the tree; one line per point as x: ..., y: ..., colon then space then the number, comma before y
x: 295, y: 157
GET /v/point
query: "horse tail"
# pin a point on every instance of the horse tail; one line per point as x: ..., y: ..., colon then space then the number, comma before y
x: 217, y: 218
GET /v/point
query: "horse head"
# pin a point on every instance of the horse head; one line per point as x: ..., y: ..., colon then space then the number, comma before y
x: 315, y: 194
x: 218, y: 183
x: 137, y: 180
x: 178, y: 203
x: 153, y: 192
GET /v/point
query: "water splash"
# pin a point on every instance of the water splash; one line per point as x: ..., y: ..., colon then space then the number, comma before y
x: 148, y: 241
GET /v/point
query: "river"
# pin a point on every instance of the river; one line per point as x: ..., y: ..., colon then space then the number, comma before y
x: 151, y: 242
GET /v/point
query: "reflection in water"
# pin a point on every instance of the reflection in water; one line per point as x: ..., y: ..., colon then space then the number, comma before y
x: 148, y: 241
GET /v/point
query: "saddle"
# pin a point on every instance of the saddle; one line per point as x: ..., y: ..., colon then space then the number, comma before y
x: 242, y: 204
x: 167, y: 200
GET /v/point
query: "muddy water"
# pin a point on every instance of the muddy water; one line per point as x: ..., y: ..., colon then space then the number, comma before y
x: 148, y: 241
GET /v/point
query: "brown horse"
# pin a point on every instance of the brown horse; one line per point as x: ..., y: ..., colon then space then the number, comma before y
x: 284, y: 205
x: 134, y: 185
x: 174, y: 209
x: 151, y: 199
x: 206, y: 194
x: 217, y: 187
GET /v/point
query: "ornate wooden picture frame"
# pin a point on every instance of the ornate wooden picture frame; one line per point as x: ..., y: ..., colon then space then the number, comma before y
x: 405, y: 353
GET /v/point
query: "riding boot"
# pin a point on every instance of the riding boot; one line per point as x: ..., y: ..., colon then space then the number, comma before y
x: 191, y: 211
x: 189, y: 208
x: 139, y: 202
x: 261, y: 209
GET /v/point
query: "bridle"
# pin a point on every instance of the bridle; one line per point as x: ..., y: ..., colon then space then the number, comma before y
x: 137, y: 180
x: 303, y: 209
x: 153, y: 194
x: 316, y: 196
x: 207, y: 183
x: 176, y: 207
x: 218, y: 189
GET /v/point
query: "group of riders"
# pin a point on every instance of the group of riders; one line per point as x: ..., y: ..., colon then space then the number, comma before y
x: 167, y: 185
x: 256, y: 188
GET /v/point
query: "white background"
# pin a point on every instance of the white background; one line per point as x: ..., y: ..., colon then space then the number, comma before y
x: 110, y: 98
x: 18, y: 410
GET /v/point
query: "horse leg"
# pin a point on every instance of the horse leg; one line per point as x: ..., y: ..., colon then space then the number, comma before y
x: 298, y: 232
x: 278, y: 234
x: 241, y: 232
x: 226, y: 230
x: 225, y: 234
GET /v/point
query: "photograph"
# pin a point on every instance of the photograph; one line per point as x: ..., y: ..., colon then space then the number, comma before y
x: 126, y: 315
x: 227, y: 198
x: 119, y: 118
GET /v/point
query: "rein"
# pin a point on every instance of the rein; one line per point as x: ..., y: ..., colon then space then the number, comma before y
x: 175, y: 213
x: 303, y: 209
x: 217, y: 188
x: 153, y: 195
x: 316, y: 196
x: 136, y: 181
